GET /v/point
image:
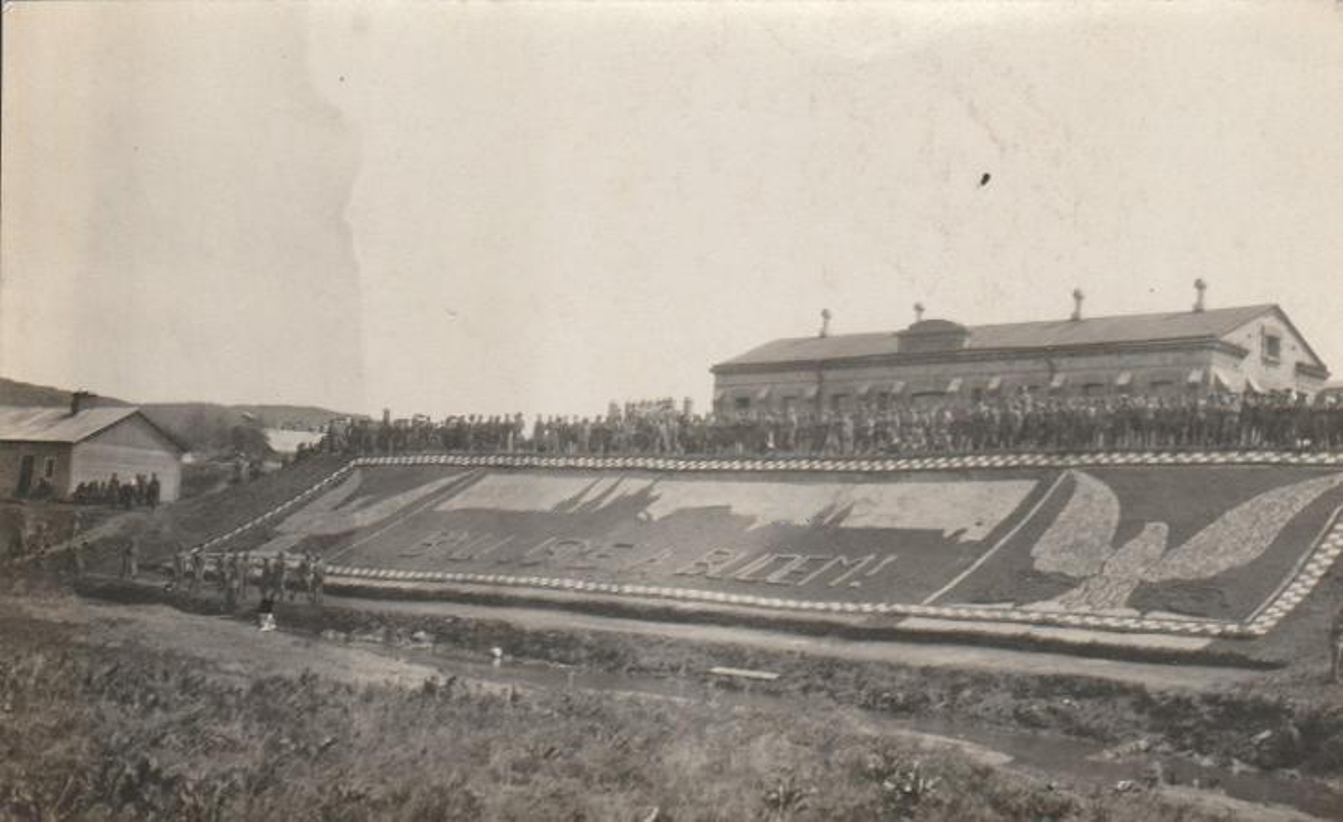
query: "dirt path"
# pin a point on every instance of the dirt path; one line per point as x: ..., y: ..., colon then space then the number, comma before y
x: 913, y: 654
x: 234, y: 646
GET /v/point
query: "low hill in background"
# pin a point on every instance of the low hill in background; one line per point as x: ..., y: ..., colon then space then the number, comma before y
x: 209, y: 427
x: 13, y: 392
x: 206, y: 427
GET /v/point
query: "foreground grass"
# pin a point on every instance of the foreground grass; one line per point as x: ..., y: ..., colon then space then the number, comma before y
x: 1245, y: 724
x: 130, y: 733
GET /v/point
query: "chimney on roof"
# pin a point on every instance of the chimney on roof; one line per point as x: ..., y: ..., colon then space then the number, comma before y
x: 918, y: 312
x: 77, y: 401
x: 825, y: 323
x: 1200, y: 287
x: 1078, y: 296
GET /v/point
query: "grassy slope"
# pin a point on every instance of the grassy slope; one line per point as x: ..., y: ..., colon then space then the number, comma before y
x: 130, y: 733
x: 199, y: 518
x: 189, y: 522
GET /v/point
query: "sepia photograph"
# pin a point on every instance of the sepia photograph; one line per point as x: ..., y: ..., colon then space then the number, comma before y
x: 669, y: 411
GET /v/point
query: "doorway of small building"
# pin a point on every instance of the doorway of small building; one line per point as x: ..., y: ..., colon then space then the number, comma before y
x: 25, y: 476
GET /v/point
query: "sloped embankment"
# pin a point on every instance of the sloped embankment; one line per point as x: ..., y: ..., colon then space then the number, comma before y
x: 1189, y: 553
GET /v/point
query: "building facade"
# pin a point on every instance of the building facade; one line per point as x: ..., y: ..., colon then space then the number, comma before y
x: 65, y: 448
x: 1244, y: 349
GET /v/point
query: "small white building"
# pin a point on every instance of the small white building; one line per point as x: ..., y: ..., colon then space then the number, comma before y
x: 287, y: 440
x: 66, y: 447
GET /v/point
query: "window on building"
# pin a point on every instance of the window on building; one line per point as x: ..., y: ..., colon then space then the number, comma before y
x: 883, y: 400
x: 839, y: 402
x: 789, y: 403
x: 1162, y: 386
x: 1093, y: 389
x: 1272, y: 347
x: 49, y: 468
x: 742, y: 403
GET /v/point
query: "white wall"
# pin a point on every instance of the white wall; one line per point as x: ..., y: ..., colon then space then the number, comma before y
x: 130, y: 447
x: 1270, y: 375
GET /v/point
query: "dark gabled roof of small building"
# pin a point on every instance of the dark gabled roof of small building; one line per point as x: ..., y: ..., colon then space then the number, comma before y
x: 26, y: 424
x: 1129, y: 328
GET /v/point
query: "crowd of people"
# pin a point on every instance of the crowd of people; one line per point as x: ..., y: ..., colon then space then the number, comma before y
x: 235, y: 574
x: 459, y: 433
x: 142, y: 491
x: 1022, y: 422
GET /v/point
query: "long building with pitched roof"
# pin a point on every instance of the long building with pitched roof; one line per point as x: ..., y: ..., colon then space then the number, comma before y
x: 1253, y: 348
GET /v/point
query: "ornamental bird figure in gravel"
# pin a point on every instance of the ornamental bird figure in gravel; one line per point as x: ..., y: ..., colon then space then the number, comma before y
x: 1080, y: 542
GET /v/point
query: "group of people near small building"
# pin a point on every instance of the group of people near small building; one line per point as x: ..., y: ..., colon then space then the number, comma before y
x: 1019, y: 422
x: 141, y: 491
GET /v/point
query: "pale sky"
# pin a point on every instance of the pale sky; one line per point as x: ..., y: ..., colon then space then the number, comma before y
x: 447, y: 208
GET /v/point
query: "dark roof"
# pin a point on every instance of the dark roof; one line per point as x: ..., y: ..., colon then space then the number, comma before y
x: 1129, y: 328
x: 22, y: 424
x: 935, y: 327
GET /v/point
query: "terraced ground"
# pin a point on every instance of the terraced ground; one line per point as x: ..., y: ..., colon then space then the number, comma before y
x: 1169, y: 555
x: 899, y: 591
